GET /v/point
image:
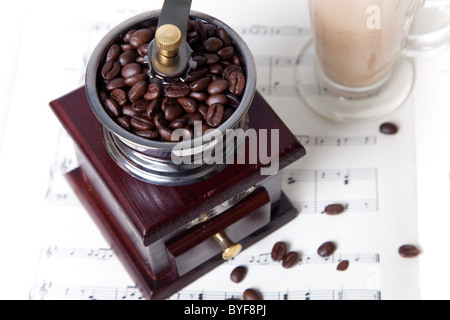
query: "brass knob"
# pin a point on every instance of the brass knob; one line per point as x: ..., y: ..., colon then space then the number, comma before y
x: 229, y: 248
x: 168, y: 40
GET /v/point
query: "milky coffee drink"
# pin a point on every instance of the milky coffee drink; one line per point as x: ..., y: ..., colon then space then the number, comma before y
x: 358, y: 41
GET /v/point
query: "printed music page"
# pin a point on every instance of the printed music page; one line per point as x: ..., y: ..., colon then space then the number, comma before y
x: 391, y: 194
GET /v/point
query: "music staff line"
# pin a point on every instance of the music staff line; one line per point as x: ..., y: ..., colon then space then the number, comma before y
x: 337, y: 141
x: 50, y: 291
x: 291, y: 176
x: 332, y: 294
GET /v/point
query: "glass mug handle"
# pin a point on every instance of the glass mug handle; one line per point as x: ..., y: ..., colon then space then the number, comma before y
x: 430, y: 29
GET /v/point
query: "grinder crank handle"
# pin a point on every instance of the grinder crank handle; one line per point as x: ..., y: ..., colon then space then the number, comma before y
x: 169, y: 54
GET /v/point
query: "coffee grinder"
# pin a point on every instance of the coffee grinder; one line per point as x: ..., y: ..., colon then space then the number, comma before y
x: 169, y: 223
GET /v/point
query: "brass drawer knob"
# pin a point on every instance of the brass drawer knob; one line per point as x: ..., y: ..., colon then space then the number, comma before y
x: 229, y: 248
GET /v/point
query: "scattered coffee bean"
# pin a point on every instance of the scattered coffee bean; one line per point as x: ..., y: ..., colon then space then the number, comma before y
x: 251, y: 294
x: 343, y: 265
x: 334, y: 209
x: 408, y: 251
x: 290, y: 260
x: 389, y: 128
x: 326, y: 249
x: 238, y: 274
x: 279, y: 251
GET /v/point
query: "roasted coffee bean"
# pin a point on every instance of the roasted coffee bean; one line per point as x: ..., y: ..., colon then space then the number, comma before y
x: 191, y: 118
x: 200, y: 28
x: 279, y: 251
x: 127, y: 57
x: 200, y: 84
x: 131, y: 81
x: 214, y: 116
x: 128, y: 111
x: 200, y: 60
x: 159, y: 120
x: 343, y: 265
x: 290, y: 260
x: 211, y: 58
x: 139, y: 106
x: 148, y: 134
x: 389, y: 128
x: 334, y: 209
x: 165, y: 133
x: 212, y: 44
x: 115, y: 83
x: 114, y: 52
x: 178, y: 123
x: 142, y: 49
x: 228, y: 113
x: 176, y: 90
x: 226, y: 52
x: 233, y: 100
x: 408, y: 251
x: 140, y: 123
x: 251, y: 294
x: 153, y: 108
x: 127, y: 36
x: 131, y: 69
x: 113, y: 107
x: 140, y: 37
x: 197, y: 74
x: 218, y: 86
x: 110, y: 70
x: 326, y: 249
x: 237, y: 82
x: 238, y: 274
x: 137, y: 91
x: 224, y: 36
x: 153, y: 92
x: 127, y: 46
x: 217, y: 98
x: 216, y: 69
x: 173, y: 111
x: 199, y: 96
x: 229, y: 70
x: 120, y: 96
x: 124, y: 122
x: 188, y: 104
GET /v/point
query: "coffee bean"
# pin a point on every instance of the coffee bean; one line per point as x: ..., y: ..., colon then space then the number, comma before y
x: 178, y: 123
x: 153, y: 92
x: 127, y: 57
x: 127, y: 36
x: 110, y: 70
x: 148, y: 134
x: 176, y: 90
x: 251, y: 294
x: 159, y: 120
x: 173, y: 111
x: 200, y: 28
x: 140, y: 37
x: 408, y: 251
x: 290, y: 260
x: 165, y: 133
x: 131, y: 69
x: 131, y: 81
x: 212, y: 44
x: 124, y: 122
x: 114, y: 52
x: 113, y: 107
x: 188, y: 104
x: 197, y: 74
x: 217, y: 98
x: 279, y: 251
x: 216, y: 68
x: 115, y: 83
x: 211, y: 58
x: 200, y: 60
x: 224, y: 36
x: 326, y: 249
x: 226, y: 52
x: 229, y: 70
x: 389, y: 128
x: 139, y: 106
x: 200, y: 84
x: 214, y: 116
x: 334, y: 209
x: 238, y: 274
x: 137, y: 91
x: 218, y: 86
x: 199, y: 96
x: 343, y: 265
x: 153, y: 108
x: 191, y: 118
x: 237, y: 82
x: 140, y: 124
x: 128, y: 111
x: 120, y: 96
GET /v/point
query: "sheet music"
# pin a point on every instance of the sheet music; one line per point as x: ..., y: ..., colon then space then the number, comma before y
x: 54, y: 251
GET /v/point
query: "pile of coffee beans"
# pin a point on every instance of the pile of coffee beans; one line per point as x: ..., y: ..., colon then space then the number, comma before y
x: 210, y: 94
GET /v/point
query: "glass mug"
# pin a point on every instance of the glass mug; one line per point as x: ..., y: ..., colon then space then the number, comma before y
x: 360, y: 65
